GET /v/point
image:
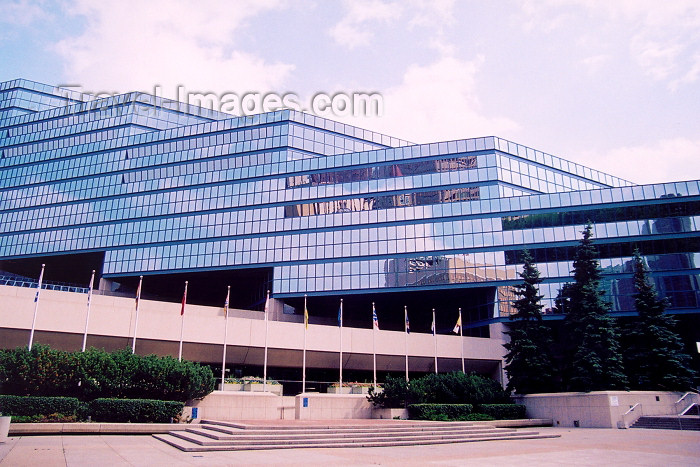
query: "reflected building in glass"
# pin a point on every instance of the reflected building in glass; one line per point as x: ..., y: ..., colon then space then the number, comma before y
x: 285, y: 201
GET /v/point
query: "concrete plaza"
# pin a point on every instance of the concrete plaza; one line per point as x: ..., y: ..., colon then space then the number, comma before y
x: 575, y: 447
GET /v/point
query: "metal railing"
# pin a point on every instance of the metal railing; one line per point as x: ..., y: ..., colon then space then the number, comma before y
x: 631, y: 416
x: 18, y: 281
x: 684, y: 407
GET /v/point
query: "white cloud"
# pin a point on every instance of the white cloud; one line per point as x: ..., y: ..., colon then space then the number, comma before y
x: 354, y: 29
x: 21, y: 12
x: 659, y: 33
x: 133, y: 45
x: 437, y: 102
x: 667, y: 160
x: 595, y: 63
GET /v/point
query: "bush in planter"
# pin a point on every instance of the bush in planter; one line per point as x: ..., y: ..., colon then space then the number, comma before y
x: 443, y: 388
x: 135, y: 410
x: 39, y: 406
x: 501, y: 411
x: 456, y: 388
x: 393, y: 393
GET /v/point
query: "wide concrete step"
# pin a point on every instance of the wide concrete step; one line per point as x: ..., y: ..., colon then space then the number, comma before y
x: 333, y: 437
x: 327, y: 426
x: 191, y: 446
x: 360, y: 430
x: 691, y: 423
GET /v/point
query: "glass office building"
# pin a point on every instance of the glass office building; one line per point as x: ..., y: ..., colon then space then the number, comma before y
x: 135, y: 185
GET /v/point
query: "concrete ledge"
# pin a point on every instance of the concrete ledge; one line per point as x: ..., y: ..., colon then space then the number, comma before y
x: 525, y: 422
x: 19, y: 429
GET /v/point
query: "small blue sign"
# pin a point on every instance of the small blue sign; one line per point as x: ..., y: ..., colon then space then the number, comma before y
x: 195, y: 411
x: 306, y: 401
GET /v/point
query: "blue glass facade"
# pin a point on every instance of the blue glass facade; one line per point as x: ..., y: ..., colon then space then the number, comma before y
x: 158, y: 188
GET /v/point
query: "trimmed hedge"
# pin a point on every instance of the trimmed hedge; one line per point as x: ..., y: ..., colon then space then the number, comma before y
x: 501, y: 411
x: 135, y: 410
x: 93, y: 374
x: 439, y: 411
x: 43, y: 406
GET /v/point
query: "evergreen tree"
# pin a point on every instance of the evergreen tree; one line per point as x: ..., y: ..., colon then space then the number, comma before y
x: 593, y: 358
x: 528, y: 361
x: 654, y: 358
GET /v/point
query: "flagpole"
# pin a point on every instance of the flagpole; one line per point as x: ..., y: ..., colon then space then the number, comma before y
x: 36, y: 306
x: 87, y: 316
x: 182, y: 321
x: 405, y: 337
x: 374, y: 348
x: 461, y: 341
x: 303, y: 363
x: 267, y: 305
x: 435, y: 340
x: 340, y: 363
x: 223, y: 358
x: 136, y: 323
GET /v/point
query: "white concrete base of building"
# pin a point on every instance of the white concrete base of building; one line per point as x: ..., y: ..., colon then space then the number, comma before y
x: 240, y: 405
x: 602, y: 409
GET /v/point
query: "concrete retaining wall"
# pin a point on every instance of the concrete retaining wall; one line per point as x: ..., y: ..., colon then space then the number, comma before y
x: 317, y: 406
x: 240, y: 405
x: 598, y: 409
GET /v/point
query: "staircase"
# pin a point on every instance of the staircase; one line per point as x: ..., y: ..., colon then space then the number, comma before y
x: 212, y: 435
x: 669, y: 422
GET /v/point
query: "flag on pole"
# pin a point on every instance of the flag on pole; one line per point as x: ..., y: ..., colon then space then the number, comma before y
x: 408, y: 324
x: 267, y: 303
x: 458, y: 326
x: 340, y: 314
x: 184, y: 300
x: 228, y: 292
x: 306, y: 314
x: 38, y: 287
x: 375, y: 320
x: 432, y: 326
x: 138, y: 294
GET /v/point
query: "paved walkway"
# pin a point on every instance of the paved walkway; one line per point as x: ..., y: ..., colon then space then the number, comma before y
x: 580, y: 446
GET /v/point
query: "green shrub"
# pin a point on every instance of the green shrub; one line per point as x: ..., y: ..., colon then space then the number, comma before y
x: 477, y: 417
x: 39, y: 406
x: 41, y: 371
x: 50, y: 418
x: 135, y: 410
x: 440, y: 412
x: 98, y: 374
x: 393, y: 395
x: 501, y: 411
x: 456, y: 388
x: 444, y: 388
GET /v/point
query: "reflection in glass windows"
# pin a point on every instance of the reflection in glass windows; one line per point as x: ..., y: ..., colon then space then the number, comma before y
x: 383, y: 171
x: 421, y: 198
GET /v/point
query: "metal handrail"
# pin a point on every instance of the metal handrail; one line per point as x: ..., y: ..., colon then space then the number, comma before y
x: 686, y: 395
x: 632, y: 408
x: 682, y: 412
x: 623, y: 422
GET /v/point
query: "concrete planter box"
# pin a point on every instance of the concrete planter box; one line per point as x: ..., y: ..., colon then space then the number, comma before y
x: 359, y: 389
x: 339, y: 390
x: 232, y: 387
x: 4, y: 428
x: 258, y: 387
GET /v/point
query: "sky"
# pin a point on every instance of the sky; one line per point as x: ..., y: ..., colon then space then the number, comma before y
x: 614, y: 85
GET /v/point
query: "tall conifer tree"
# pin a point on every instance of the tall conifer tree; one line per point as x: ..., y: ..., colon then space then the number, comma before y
x: 528, y: 361
x: 654, y: 357
x: 593, y: 360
